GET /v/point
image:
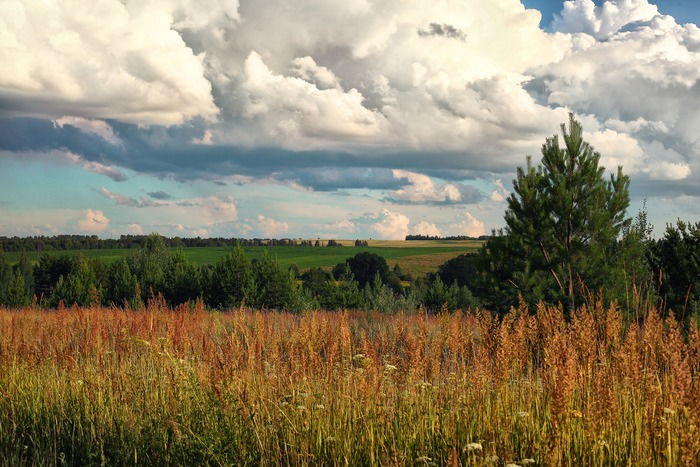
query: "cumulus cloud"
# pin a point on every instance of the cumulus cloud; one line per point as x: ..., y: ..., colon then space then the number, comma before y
x: 641, y: 83
x: 426, y: 228
x: 468, y: 225
x: 93, y: 221
x: 338, y: 229
x: 133, y: 66
x: 391, y: 225
x: 293, y: 107
x: 601, y: 21
x: 271, y: 228
x: 500, y: 194
x: 135, y: 229
x: 422, y: 190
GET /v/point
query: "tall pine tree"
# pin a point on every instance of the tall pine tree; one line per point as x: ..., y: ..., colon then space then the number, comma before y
x: 566, y: 217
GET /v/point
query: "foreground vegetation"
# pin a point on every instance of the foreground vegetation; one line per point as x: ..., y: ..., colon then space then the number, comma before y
x: 160, y: 386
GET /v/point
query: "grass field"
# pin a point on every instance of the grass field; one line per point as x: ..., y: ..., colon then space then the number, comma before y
x: 416, y: 257
x: 162, y: 387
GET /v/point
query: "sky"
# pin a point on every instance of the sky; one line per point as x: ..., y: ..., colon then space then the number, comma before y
x: 353, y: 119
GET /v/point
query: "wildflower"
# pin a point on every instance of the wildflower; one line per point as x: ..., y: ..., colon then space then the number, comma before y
x: 389, y: 368
x: 523, y: 414
x: 473, y: 447
x: 576, y: 414
x: 319, y: 406
x: 301, y: 408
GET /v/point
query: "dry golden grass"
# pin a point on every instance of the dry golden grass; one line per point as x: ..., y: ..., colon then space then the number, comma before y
x: 160, y: 386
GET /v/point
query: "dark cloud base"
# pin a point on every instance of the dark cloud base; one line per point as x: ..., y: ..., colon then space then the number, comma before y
x: 170, y: 153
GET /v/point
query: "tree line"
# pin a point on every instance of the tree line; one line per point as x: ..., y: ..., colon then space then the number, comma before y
x: 93, y: 242
x: 155, y: 270
x: 449, y: 237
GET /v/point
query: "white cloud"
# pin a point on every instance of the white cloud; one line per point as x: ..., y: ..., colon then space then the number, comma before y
x: 422, y: 189
x: 271, y: 228
x: 103, y: 59
x: 391, y: 225
x: 601, y: 21
x: 307, y: 69
x: 338, y: 229
x: 93, y: 221
x: 135, y: 229
x: 293, y: 107
x: 468, y: 225
x: 426, y: 228
x: 641, y: 83
x: 96, y: 127
x: 500, y: 194
x: 365, y: 74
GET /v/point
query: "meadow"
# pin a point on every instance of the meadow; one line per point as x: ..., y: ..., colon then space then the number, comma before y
x: 162, y: 386
x: 415, y: 257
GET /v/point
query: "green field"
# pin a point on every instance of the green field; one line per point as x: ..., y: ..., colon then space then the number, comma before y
x: 417, y: 259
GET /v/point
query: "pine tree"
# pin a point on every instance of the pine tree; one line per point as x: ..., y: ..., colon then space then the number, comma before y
x: 232, y: 281
x: 122, y: 286
x: 275, y: 287
x: 565, y: 217
x: 5, y: 278
x: 17, y: 294
x: 79, y: 287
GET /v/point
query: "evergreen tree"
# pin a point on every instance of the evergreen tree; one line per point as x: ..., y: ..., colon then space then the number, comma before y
x: 122, y: 287
x: 182, y: 280
x: 232, y: 282
x: 275, y: 288
x: 148, y: 264
x: 565, y: 218
x: 79, y: 287
x: 17, y: 294
x: 27, y: 270
x: 6, y: 277
x: 676, y: 261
